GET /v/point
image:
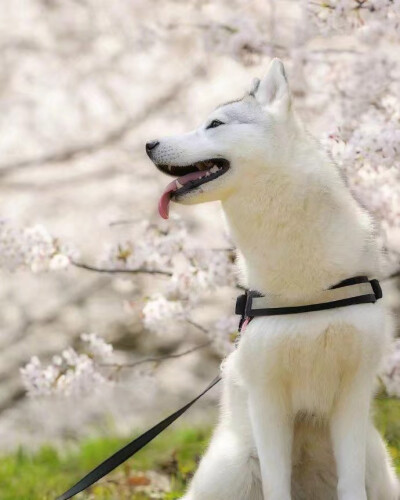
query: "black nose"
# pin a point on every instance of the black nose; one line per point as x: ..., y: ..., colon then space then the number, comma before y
x: 150, y: 146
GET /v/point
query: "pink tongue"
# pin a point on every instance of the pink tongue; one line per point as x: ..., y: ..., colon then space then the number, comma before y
x: 163, y: 204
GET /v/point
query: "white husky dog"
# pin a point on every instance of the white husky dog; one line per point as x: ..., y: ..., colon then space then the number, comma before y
x: 295, y: 417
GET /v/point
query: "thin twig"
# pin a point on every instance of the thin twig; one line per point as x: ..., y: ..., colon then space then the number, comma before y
x: 98, y: 175
x: 156, y: 359
x: 71, y: 153
x: 323, y: 5
x: 138, y: 270
x: 123, y: 222
x: 197, y: 325
x: 154, y: 272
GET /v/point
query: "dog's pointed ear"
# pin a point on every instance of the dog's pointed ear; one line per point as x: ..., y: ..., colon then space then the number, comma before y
x: 273, y: 92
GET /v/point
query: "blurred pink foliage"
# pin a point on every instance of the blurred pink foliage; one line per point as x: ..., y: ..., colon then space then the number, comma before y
x: 360, y: 94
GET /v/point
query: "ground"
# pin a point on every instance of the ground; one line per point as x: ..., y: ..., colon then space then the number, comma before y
x: 160, y: 471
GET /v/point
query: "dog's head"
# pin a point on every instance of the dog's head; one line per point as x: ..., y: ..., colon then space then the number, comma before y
x: 238, y: 141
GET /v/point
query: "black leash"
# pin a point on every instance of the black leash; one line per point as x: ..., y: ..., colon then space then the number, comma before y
x: 130, y: 449
x: 244, y: 307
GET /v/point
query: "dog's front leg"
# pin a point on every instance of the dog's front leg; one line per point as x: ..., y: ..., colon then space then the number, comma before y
x: 273, y: 434
x: 349, y: 436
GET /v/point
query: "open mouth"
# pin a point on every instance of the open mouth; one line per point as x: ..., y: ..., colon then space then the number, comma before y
x: 190, y: 177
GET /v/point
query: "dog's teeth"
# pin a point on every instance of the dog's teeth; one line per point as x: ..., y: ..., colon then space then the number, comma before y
x: 208, y: 173
x: 214, y: 169
x: 169, y: 168
x: 178, y: 184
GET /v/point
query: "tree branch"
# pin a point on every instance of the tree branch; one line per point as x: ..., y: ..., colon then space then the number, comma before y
x: 108, y: 139
x: 155, y: 359
x: 139, y: 270
x: 73, y: 152
x: 196, y: 325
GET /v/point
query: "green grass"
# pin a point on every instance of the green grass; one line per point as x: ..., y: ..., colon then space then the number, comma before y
x: 46, y: 473
x: 387, y: 419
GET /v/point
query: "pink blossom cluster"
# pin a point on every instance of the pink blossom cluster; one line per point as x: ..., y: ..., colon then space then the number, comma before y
x: 160, y: 314
x: 365, y: 93
x: 153, y: 247
x: 71, y: 372
x: 194, y: 271
x: 30, y: 247
x: 195, y: 274
x: 372, y: 17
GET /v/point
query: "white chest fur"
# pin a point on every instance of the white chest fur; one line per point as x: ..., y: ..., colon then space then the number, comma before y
x: 310, y: 355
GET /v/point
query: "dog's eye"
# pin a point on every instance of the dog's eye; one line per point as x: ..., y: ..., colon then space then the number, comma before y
x: 214, y: 124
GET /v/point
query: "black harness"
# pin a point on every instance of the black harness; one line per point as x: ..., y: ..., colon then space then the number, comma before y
x: 248, y: 308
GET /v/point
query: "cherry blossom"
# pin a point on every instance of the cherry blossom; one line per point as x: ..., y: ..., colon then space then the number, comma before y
x: 31, y: 247
x: 358, y: 90
x: 70, y: 373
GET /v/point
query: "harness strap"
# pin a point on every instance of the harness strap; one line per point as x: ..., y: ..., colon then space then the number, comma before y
x: 357, y: 290
x: 130, y: 449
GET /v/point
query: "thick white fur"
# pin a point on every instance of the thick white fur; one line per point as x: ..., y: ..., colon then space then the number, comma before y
x: 295, y: 413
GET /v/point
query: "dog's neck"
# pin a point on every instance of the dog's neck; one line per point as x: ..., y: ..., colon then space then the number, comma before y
x: 299, y: 234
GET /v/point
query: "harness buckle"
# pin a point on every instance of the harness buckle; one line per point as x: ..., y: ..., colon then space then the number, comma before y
x: 376, y: 287
x: 241, y: 304
x: 241, y: 307
x: 244, y: 303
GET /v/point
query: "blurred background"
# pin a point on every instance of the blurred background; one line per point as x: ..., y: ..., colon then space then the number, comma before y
x: 83, y: 85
